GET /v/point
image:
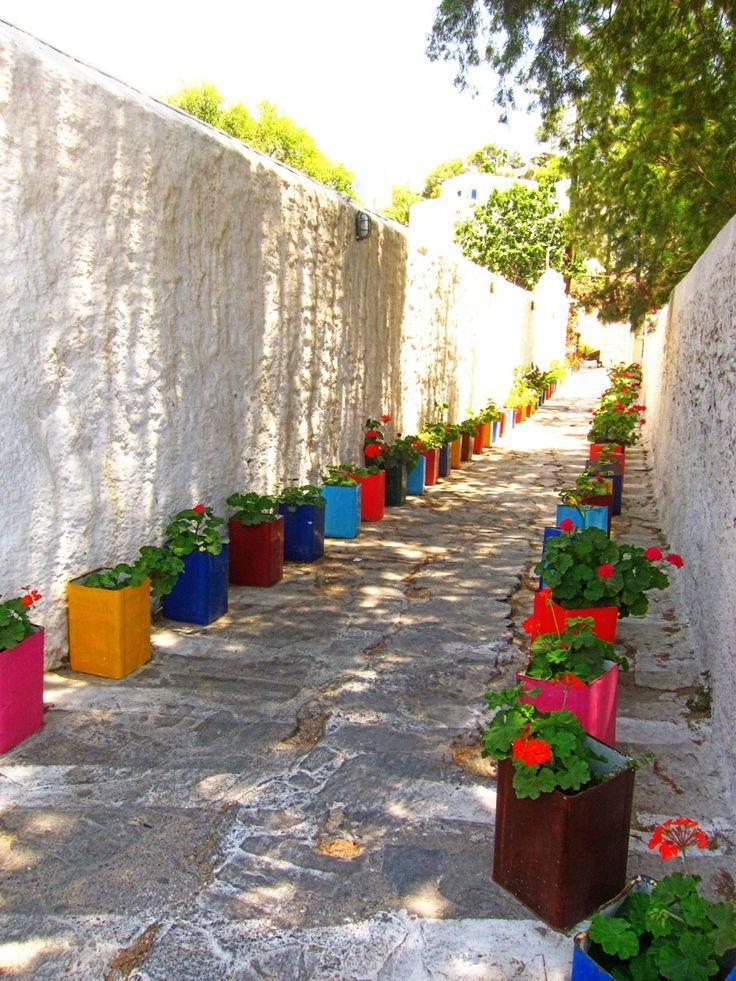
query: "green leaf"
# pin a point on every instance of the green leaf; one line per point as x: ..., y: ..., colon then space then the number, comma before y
x: 615, y: 935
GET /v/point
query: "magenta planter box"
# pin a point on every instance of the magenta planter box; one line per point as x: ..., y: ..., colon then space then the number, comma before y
x: 595, y: 705
x: 21, y: 691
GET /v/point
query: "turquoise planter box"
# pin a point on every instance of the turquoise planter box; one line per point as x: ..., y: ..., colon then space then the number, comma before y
x: 415, y: 478
x: 342, y: 511
x: 586, y: 517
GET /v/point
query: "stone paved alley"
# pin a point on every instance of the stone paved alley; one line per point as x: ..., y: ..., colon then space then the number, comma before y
x: 296, y: 791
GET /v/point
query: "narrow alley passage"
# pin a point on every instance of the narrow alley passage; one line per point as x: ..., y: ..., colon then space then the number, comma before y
x: 297, y: 792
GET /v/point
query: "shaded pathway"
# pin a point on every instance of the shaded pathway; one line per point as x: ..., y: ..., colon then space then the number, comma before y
x: 296, y: 791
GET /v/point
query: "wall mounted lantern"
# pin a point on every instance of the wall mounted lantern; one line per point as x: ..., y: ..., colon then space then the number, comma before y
x: 363, y: 226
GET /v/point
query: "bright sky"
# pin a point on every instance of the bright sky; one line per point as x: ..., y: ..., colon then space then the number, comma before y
x: 354, y: 74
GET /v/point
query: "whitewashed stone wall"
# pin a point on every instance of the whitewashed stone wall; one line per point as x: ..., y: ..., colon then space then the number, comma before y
x: 181, y: 317
x: 616, y: 341
x: 690, y: 394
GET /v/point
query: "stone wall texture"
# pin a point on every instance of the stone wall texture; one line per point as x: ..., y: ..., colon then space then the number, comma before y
x: 690, y: 393
x: 182, y: 317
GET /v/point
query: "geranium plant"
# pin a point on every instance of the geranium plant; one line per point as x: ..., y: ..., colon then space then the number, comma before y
x: 549, y: 750
x: 401, y: 451
x: 587, y: 484
x: 433, y: 436
x: 574, y: 655
x: 253, y: 509
x: 160, y: 565
x: 195, y: 529
x: 469, y: 426
x: 293, y: 496
x: 587, y: 569
x: 671, y: 932
x: 490, y: 413
x: 615, y: 425
x: 15, y: 624
x: 342, y: 475
x: 374, y: 442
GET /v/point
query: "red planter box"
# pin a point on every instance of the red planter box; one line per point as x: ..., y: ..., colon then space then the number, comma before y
x: 21, y: 691
x: 550, y: 618
x: 478, y: 441
x: 618, y: 453
x: 432, y: 471
x: 501, y: 424
x: 518, y: 416
x: 594, y: 705
x: 256, y: 553
x: 372, y: 495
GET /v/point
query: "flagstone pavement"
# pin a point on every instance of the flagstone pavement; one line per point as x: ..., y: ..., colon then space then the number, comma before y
x: 297, y: 792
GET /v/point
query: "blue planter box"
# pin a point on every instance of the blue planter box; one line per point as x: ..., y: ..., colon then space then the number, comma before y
x: 586, y: 517
x: 304, y: 532
x: 415, y: 477
x: 342, y: 511
x: 618, y: 492
x: 444, y: 465
x: 548, y: 533
x: 495, y: 426
x: 200, y: 594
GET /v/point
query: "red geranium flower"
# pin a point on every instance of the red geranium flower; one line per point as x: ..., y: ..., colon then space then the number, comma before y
x: 567, y: 524
x: 199, y: 509
x: 606, y: 571
x: 531, y: 752
x: 418, y: 445
x: 677, y: 835
x: 372, y: 434
x: 27, y: 601
x: 373, y: 451
x: 653, y: 554
x: 674, y: 559
x: 385, y: 418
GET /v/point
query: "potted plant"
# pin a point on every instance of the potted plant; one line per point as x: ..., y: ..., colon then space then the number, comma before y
x: 372, y: 482
x: 576, y: 670
x: 110, y: 612
x: 303, y: 510
x: 521, y: 397
x: 416, y: 476
x: 455, y: 439
x: 200, y: 593
x: 469, y: 432
x: 256, y: 531
x: 563, y: 810
x: 433, y: 442
x: 398, y: 460
x: 341, y: 492
x: 614, y: 424
x: 488, y: 416
x: 21, y: 670
x: 661, y: 929
x: 608, y: 464
x: 582, y: 514
x: 588, y: 575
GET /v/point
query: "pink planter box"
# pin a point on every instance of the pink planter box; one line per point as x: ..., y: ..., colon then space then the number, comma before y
x: 21, y: 691
x: 595, y: 705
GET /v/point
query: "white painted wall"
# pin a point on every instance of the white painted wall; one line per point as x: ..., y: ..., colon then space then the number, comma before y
x: 690, y: 393
x: 614, y: 341
x: 182, y: 318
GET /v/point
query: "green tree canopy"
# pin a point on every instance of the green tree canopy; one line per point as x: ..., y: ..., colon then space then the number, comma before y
x: 270, y: 132
x: 402, y: 198
x: 518, y: 233
x: 642, y: 94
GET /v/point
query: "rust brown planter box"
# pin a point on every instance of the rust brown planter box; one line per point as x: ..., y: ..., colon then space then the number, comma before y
x: 564, y: 855
x: 466, y: 453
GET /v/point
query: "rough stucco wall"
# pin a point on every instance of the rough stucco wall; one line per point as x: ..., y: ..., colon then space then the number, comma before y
x: 614, y: 341
x: 690, y: 394
x: 182, y: 318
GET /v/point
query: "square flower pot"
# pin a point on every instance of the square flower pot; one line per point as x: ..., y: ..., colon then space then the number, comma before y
x: 342, y: 511
x: 594, y: 705
x: 548, y: 533
x: 551, y: 617
x: 496, y: 430
x: 372, y: 495
x: 456, y: 449
x: 502, y: 422
x: 511, y: 418
x: 518, y: 416
x: 21, y: 690
x: 256, y: 553
x: 415, y: 477
x: 304, y: 532
x: 618, y: 453
x: 431, y: 467
x: 584, y: 517
x: 109, y: 629
x: 200, y: 593
x: 445, y: 463
x: 614, y: 473
x: 602, y: 501
x: 563, y: 855
x: 478, y: 441
x: 486, y: 436
x: 395, y: 485
x: 466, y: 448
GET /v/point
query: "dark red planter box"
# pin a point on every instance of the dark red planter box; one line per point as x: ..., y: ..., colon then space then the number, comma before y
x: 372, y: 495
x: 501, y: 424
x: 564, y: 855
x: 256, y: 553
x: 478, y: 442
x: 518, y: 415
x: 466, y: 451
x: 432, y: 472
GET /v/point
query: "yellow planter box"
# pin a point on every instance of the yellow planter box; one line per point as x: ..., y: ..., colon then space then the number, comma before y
x: 456, y: 450
x: 485, y: 433
x: 109, y: 629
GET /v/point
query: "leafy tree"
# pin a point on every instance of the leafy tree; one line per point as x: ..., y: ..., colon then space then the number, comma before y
x: 490, y: 158
x: 402, y: 198
x: 436, y: 177
x: 270, y: 132
x: 642, y: 94
x: 518, y: 233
